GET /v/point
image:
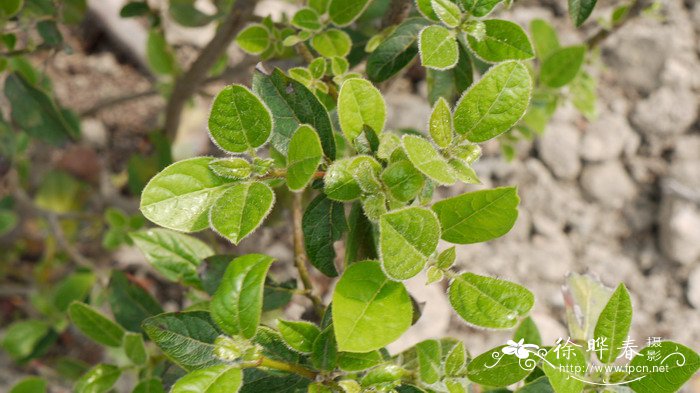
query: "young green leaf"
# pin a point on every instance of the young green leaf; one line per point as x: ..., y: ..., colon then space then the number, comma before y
x: 74, y: 287
x: 318, y: 67
x: 324, y: 355
x: 503, y: 40
x: 447, y: 258
x: 306, y: 19
x: 407, y: 238
x: 456, y: 360
x: 339, y: 182
x: 186, y: 338
x: 320, y: 6
x: 353, y: 362
x: 134, y: 348
x: 237, y: 304
x: 30, y: 385
x: 562, y: 66
x: 21, y: 338
x: 584, y: 94
x: 152, y: 385
x: 441, y: 124
x: 590, y: 297
x: 235, y: 168
x: 344, y: 12
x: 130, y: 303
x: 494, y: 104
x: 95, y: 325
x: 159, y: 54
x: 241, y: 210
x: 99, y: 379
x: 292, y: 105
x: 369, y: 310
x: 179, y: 197
x: 332, y: 43
x: 254, y: 39
x: 682, y: 364
x: 303, y: 158
x: 528, y: 332
x: 614, y: 324
x: 239, y: 121
x: 360, y: 104
x: 300, y: 336
x: 561, y: 368
x: 426, y: 159
x: 438, y: 48
x: 544, y: 37
x: 447, y: 11
x: 489, y: 302
x: 478, y: 216
x: 580, y: 10
x: 484, y: 369
x: 396, y: 52
x: 323, y: 224
x: 403, y: 180
x: 429, y: 361
x: 175, y: 255
x: 215, y: 379
x: 480, y: 8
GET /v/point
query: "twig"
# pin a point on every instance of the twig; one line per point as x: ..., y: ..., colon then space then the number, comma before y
x: 63, y: 243
x: 191, y: 80
x: 636, y: 8
x: 288, y: 367
x: 397, y: 12
x: 300, y: 255
x: 116, y: 101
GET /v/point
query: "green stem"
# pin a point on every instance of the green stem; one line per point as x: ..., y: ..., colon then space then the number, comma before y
x: 288, y: 367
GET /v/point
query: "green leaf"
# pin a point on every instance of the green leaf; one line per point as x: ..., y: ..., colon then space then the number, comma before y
x: 580, y: 10
x: 257, y: 380
x: 237, y: 304
x: 369, y: 310
x: 130, y: 303
x: 323, y: 224
x: 360, y: 104
x: 441, y: 124
x: 134, y: 8
x: 426, y: 159
x: 48, y: 30
x: 239, y: 121
x: 95, y: 325
x: 321, y: 6
x: 682, y: 364
x: 318, y: 67
x: 353, y: 362
x: 159, y: 54
x: 344, y: 12
x: 452, y: 83
x: 74, y: 287
x: 21, y: 338
x: 304, y: 156
x: 216, y: 379
x: 495, y: 103
x: 503, y: 40
x: 456, y: 360
x: 10, y: 8
x: 300, y: 336
x: 332, y: 43
x: 539, y: 385
x: 614, y: 324
x: 425, y: 8
x: 403, y: 180
x: 241, y: 210
x: 429, y: 361
x: 99, y: 379
x: 407, y: 238
x: 235, y: 168
x: 545, y: 38
x: 36, y: 113
x: 30, y: 385
x: 480, y: 8
x: 562, y: 66
x: 324, y: 354
x: 396, y: 52
x: 186, y: 338
x: 560, y: 368
x: 153, y: 385
x: 447, y: 11
x: 360, y: 243
x: 438, y: 48
x: 134, y: 348
x: 447, y: 258
x: 589, y: 296
x: 185, y: 13
x: 489, y: 302
x: 175, y: 255
x: 494, y: 368
x: 306, y: 19
x: 254, y: 39
x: 339, y: 183
x: 527, y: 331
x: 179, y: 197
x: 584, y: 94
x: 292, y: 105
x: 478, y: 216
